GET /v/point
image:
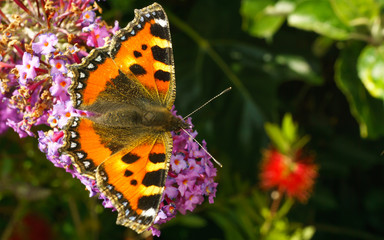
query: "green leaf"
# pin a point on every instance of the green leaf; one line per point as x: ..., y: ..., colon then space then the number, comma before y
x: 284, y: 209
x: 299, y: 66
x: 370, y: 67
x: 274, y: 133
x: 264, y: 18
x: 355, y: 12
x: 318, y: 16
x: 289, y: 128
x: 367, y: 110
x: 308, y: 232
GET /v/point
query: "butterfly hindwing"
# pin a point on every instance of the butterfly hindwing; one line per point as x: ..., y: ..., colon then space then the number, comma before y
x: 134, y: 179
x: 143, y: 50
x: 84, y: 145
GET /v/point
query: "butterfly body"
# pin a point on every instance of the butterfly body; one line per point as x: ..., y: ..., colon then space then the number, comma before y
x: 125, y: 144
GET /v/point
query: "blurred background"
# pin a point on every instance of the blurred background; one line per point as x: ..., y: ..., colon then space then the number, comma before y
x: 322, y: 61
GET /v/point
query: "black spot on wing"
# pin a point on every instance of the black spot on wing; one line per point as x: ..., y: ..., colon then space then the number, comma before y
x: 157, y: 157
x: 137, y: 69
x: 163, y: 76
x: 133, y: 182
x: 147, y: 202
x: 158, y: 31
x: 144, y: 47
x: 154, y: 178
x: 161, y: 54
x: 137, y: 54
x: 128, y: 173
x: 130, y: 158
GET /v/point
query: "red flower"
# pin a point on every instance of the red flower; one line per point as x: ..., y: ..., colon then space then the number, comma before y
x: 294, y: 176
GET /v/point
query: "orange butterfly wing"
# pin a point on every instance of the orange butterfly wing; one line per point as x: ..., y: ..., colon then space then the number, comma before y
x: 134, y: 179
x: 84, y: 145
x: 144, y: 49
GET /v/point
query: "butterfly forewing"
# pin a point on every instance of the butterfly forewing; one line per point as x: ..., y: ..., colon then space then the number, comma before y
x: 91, y: 77
x: 143, y: 50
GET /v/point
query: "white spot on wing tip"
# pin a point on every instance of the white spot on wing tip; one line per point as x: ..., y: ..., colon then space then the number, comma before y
x: 86, y: 164
x: 148, y: 213
x: 161, y: 22
x: 79, y: 85
x: 91, y: 66
x: 98, y: 58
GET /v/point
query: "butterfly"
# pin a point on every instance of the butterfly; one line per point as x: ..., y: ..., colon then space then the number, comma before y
x: 125, y: 144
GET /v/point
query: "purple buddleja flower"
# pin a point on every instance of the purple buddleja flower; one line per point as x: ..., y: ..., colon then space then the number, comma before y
x: 18, y: 128
x: 115, y: 27
x: 193, y: 198
x: 88, y: 16
x: 60, y: 85
x: 178, y: 163
x: 27, y: 70
x: 33, y: 67
x: 190, y: 178
x: 186, y: 182
x: 6, y: 112
x: 57, y: 66
x: 97, y: 36
x: 61, y: 113
x: 46, y: 44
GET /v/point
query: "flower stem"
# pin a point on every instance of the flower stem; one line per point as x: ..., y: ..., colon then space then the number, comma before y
x: 4, y: 17
x: 17, y: 213
x: 22, y: 6
x: 76, y: 218
x: 276, y: 203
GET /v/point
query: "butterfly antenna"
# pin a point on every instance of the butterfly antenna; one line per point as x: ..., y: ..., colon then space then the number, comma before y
x: 205, y: 150
x: 210, y: 100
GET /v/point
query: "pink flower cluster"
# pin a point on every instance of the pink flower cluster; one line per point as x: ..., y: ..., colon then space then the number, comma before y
x: 38, y: 43
x: 190, y: 177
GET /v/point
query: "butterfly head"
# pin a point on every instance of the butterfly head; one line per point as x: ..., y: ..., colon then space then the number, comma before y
x: 164, y: 120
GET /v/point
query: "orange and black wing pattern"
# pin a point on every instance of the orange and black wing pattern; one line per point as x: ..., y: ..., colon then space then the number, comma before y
x: 134, y: 180
x: 84, y: 145
x: 143, y: 51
